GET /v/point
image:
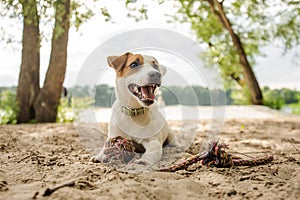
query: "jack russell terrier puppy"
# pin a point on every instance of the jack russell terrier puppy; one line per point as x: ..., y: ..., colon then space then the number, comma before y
x: 135, y: 114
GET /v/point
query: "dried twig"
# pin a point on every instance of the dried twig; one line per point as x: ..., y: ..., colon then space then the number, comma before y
x: 292, y: 144
x: 49, y: 191
x: 35, y: 195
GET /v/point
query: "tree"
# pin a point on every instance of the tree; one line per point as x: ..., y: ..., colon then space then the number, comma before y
x: 248, y: 74
x: 235, y: 32
x: 29, y: 80
x: 37, y: 103
x: 248, y: 26
x: 47, y: 101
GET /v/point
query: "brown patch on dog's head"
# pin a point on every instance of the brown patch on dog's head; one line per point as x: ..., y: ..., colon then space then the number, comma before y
x: 122, y: 63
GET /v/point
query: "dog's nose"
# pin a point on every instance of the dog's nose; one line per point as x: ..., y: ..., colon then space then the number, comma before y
x: 155, y: 75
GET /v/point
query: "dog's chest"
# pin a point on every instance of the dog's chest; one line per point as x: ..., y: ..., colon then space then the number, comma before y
x: 147, y: 126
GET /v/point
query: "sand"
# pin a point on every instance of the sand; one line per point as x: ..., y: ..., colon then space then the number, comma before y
x: 35, y: 157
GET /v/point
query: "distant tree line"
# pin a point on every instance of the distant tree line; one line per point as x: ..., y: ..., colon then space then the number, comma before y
x: 174, y: 95
x: 11, y: 89
x: 104, y: 95
x: 191, y: 95
x: 276, y: 98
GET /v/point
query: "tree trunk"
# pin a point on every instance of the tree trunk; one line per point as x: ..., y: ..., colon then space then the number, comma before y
x: 48, y: 99
x: 29, y: 81
x: 249, y: 76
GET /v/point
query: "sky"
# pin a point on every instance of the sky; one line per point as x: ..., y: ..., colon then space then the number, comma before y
x: 273, y: 70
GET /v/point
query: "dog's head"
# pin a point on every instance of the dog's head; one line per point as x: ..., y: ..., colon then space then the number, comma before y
x: 138, y: 76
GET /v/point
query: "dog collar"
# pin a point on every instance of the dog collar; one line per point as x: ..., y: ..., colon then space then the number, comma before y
x: 132, y: 111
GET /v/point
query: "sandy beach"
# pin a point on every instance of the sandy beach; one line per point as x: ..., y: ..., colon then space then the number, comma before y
x: 35, y: 157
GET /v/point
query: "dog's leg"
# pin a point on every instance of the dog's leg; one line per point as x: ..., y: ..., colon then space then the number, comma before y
x: 100, y: 157
x: 152, y: 154
x: 172, y: 140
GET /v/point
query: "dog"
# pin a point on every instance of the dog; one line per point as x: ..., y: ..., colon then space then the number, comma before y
x: 135, y: 113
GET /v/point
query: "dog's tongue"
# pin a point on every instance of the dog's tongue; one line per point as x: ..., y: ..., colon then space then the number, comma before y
x: 148, y: 92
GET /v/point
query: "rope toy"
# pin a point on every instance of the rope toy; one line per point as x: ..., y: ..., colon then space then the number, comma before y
x: 119, y: 149
x: 123, y: 149
x: 216, y: 156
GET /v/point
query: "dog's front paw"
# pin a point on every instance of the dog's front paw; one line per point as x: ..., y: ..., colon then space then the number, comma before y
x: 94, y: 159
x: 100, y: 158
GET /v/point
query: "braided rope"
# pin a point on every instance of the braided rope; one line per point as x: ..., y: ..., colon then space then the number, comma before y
x: 253, y: 162
x: 218, y: 157
x: 119, y: 148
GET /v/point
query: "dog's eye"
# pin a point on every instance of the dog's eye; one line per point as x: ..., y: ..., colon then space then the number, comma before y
x: 155, y: 66
x: 134, y: 64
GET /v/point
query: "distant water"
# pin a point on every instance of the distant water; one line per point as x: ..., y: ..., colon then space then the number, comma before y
x: 192, y: 113
x: 286, y: 109
x: 170, y: 113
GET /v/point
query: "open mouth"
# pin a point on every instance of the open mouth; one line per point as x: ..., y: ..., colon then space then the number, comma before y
x: 144, y: 93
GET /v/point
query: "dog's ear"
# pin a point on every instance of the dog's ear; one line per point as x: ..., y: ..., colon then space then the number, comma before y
x: 118, y: 62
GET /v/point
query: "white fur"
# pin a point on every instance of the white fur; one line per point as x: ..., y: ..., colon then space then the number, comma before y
x: 149, y: 129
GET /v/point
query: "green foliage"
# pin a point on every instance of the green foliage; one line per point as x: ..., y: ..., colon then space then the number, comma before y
x: 246, y: 23
x: 81, y: 12
x: 277, y: 98
x: 240, y: 97
x: 8, y: 107
x: 289, y: 96
x: 288, y: 19
x: 65, y: 111
x: 273, y: 98
x: 69, y: 108
x: 106, y: 14
x: 295, y: 108
x: 136, y: 10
